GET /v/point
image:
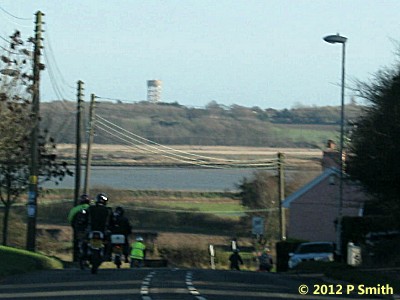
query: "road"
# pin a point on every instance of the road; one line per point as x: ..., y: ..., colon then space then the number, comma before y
x: 160, y: 284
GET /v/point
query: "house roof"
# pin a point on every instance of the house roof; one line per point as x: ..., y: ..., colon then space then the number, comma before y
x: 300, y: 192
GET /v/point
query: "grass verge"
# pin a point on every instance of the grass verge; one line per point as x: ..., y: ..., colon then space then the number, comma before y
x: 16, y: 261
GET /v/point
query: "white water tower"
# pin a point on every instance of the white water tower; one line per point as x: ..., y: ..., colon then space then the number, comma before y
x: 154, y: 90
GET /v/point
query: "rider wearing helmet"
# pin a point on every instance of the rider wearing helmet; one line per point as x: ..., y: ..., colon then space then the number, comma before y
x: 84, y: 202
x: 99, y: 214
x: 138, y: 252
x: 99, y: 218
x: 77, y: 217
x: 120, y: 225
x: 265, y: 260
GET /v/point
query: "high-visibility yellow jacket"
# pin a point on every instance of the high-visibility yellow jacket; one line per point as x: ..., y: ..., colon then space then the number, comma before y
x: 137, y: 251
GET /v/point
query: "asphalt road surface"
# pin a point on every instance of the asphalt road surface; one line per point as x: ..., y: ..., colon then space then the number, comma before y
x: 165, y: 284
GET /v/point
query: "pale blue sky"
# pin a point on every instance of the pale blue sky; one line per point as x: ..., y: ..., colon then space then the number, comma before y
x: 266, y: 53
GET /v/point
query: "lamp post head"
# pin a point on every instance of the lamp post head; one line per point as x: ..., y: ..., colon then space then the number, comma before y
x: 336, y: 38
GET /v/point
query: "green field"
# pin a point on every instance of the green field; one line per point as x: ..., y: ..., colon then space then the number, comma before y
x: 229, y: 209
x: 311, y: 134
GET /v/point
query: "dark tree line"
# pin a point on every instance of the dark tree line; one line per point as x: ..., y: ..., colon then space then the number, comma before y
x: 375, y: 140
x: 174, y: 124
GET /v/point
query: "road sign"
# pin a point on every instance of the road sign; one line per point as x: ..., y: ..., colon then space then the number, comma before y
x: 258, y: 225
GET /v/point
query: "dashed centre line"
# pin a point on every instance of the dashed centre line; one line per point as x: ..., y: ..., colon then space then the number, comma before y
x: 191, y: 288
x: 144, y: 289
x: 145, y: 286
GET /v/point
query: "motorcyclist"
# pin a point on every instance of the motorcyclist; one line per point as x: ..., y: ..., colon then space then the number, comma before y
x: 138, y: 253
x: 84, y: 202
x: 99, y: 218
x: 120, y: 225
x: 265, y: 260
x: 78, y: 219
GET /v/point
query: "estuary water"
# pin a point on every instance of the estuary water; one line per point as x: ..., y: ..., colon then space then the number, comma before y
x: 153, y: 178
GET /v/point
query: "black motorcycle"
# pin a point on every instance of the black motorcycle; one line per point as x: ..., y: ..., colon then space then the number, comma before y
x: 95, y: 250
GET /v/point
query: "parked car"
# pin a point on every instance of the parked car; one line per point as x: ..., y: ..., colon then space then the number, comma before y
x: 313, y: 251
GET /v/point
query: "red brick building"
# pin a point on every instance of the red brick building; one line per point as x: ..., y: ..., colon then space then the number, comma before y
x: 313, y: 209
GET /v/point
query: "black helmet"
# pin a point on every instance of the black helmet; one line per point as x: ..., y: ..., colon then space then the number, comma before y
x: 101, y: 199
x: 84, y: 199
x: 119, y: 210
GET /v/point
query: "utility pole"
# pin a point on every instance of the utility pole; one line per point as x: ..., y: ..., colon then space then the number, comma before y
x: 78, y: 161
x: 78, y: 142
x: 34, y: 164
x: 90, y: 142
x: 281, y: 186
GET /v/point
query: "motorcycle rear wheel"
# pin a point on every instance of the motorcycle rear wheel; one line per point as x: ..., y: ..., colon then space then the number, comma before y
x: 117, y: 261
x: 95, y: 261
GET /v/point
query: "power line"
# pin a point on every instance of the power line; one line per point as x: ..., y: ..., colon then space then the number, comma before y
x: 11, y: 52
x: 51, y: 52
x: 4, y: 39
x: 180, y: 157
x: 264, y: 162
x: 192, y: 160
x: 170, y: 152
x: 57, y: 88
x: 155, y: 152
x: 15, y: 17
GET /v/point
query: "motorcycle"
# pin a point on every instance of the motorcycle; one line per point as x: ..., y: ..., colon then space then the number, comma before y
x: 117, y: 243
x: 95, y: 250
x: 82, y: 246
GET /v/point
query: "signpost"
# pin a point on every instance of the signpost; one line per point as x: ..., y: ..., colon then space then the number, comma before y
x: 212, y: 256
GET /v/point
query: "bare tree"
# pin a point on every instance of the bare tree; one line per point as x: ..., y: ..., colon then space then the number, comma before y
x: 15, y: 127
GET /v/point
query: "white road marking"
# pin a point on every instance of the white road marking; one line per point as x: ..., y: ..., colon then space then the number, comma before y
x: 189, y: 285
x: 144, y: 289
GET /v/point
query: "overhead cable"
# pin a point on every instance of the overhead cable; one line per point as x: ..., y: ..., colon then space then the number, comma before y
x: 154, y: 148
x: 264, y: 162
x: 178, y: 157
x: 192, y: 162
x: 15, y: 17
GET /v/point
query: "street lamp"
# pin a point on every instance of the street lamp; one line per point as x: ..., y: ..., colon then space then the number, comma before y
x: 338, y: 39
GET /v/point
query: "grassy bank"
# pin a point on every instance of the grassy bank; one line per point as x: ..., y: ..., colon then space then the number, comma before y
x: 16, y: 261
x: 200, y: 211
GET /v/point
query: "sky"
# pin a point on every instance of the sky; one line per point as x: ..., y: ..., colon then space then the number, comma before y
x: 265, y: 53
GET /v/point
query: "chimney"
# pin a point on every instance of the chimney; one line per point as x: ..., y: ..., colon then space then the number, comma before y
x: 331, y: 156
x: 331, y: 145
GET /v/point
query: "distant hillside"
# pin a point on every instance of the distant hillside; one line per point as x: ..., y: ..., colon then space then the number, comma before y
x: 175, y: 124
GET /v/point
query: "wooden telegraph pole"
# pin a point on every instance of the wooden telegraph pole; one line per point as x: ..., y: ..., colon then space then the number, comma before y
x: 90, y: 142
x: 78, y: 160
x: 282, y: 216
x: 78, y: 142
x: 34, y: 164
